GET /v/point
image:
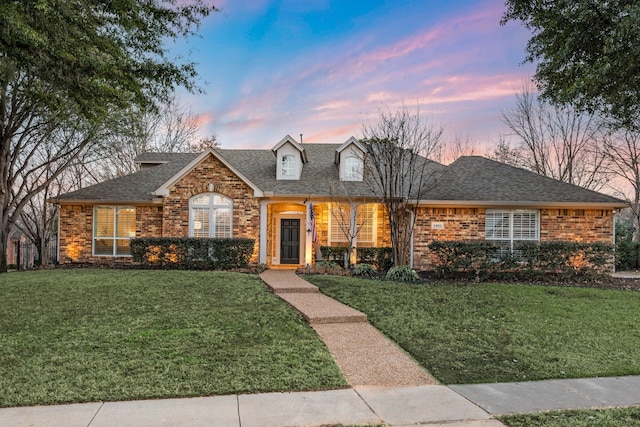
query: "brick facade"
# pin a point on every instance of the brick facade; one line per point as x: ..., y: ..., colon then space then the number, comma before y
x: 171, y: 219
x: 579, y: 225
x: 212, y: 176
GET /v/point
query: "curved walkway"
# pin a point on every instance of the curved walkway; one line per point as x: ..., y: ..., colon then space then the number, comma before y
x: 365, y: 356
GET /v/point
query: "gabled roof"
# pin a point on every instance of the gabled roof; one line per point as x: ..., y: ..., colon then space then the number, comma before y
x: 163, y: 189
x: 290, y: 140
x: 478, y: 179
x: 344, y: 145
x: 469, y: 180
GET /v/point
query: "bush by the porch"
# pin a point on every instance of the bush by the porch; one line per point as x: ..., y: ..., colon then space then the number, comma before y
x: 528, y: 260
x: 192, y: 253
x: 381, y: 258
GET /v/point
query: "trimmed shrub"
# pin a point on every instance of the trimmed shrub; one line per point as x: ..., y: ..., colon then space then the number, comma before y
x: 485, y: 259
x: 334, y: 253
x: 381, y: 258
x: 402, y: 273
x: 192, y: 253
x: 365, y: 270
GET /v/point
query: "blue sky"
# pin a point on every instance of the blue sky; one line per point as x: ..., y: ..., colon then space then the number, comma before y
x: 322, y: 68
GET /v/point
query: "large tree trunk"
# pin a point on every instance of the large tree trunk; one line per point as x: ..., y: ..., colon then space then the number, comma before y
x: 4, y: 243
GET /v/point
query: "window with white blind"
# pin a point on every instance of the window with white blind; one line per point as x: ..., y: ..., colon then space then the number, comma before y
x: 510, y: 226
x: 210, y: 216
x: 113, y: 227
x: 341, y: 220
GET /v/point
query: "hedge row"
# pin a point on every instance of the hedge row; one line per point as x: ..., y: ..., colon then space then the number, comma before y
x: 192, y: 253
x: 528, y: 259
x: 381, y: 257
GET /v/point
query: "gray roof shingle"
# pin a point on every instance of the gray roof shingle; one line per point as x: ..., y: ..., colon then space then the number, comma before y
x: 468, y: 179
x: 475, y: 178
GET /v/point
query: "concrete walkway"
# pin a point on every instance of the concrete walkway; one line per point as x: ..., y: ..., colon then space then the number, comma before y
x: 365, y: 356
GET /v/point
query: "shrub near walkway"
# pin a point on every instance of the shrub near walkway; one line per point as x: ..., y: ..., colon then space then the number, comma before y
x: 93, y: 335
x: 495, y: 332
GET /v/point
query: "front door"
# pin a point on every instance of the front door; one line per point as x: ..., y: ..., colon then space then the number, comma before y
x: 289, y: 241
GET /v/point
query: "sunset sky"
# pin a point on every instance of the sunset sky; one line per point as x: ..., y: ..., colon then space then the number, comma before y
x: 322, y: 68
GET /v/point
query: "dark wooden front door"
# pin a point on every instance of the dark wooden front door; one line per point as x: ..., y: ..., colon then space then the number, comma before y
x: 289, y: 241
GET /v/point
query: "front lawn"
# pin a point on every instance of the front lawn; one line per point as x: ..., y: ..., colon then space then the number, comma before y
x: 611, y: 417
x: 104, y: 335
x: 475, y: 333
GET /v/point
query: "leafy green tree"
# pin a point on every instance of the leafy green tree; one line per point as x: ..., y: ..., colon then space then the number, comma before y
x: 587, y: 52
x: 65, y: 66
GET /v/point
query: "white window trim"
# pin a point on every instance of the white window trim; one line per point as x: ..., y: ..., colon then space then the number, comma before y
x: 115, y: 238
x: 511, y: 212
x: 212, y: 207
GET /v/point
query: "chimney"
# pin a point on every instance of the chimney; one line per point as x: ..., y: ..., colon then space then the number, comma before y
x: 300, y: 138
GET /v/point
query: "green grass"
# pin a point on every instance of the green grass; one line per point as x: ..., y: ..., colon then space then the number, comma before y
x: 495, y: 332
x: 104, y: 335
x: 613, y: 417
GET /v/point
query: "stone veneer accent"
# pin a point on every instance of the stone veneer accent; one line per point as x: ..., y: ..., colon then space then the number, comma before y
x: 579, y: 225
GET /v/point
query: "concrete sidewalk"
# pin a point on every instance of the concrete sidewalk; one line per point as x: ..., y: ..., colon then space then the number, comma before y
x: 433, y: 405
x: 550, y: 395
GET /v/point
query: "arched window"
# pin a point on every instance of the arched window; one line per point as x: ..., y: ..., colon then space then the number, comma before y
x: 352, y: 169
x: 210, y: 216
x: 288, y: 165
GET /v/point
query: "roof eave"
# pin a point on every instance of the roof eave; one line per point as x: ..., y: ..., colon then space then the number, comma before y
x: 523, y: 204
x: 151, y: 202
x: 163, y: 190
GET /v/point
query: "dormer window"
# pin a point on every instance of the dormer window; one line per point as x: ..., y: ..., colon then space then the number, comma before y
x: 288, y: 165
x: 290, y: 158
x: 352, y: 169
x: 350, y: 160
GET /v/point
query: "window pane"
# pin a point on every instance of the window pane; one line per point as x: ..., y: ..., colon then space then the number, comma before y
x: 200, y: 222
x: 366, y: 222
x: 223, y: 223
x: 340, y: 219
x: 122, y: 247
x: 201, y: 200
x: 497, y: 225
x: 103, y: 222
x: 288, y: 165
x: 352, y: 167
x: 103, y: 247
x: 221, y: 201
x: 525, y: 226
x: 126, y: 222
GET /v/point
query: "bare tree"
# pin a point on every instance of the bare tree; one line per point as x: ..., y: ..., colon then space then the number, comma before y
x: 622, y: 147
x: 397, y: 169
x: 171, y: 128
x: 350, y: 217
x: 558, y: 142
x: 36, y: 145
x: 460, y: 146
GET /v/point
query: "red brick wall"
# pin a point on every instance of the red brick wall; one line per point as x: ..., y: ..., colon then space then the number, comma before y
x: 581, y: 225
x: 75, y: 233
x: 246, y: 209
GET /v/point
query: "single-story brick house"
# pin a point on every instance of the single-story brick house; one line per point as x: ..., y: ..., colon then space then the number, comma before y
x: 267, y: 195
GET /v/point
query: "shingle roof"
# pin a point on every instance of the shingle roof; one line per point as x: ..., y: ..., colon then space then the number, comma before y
x: 137, y: 187
x: 468, y: 179
x: 474, y: 178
